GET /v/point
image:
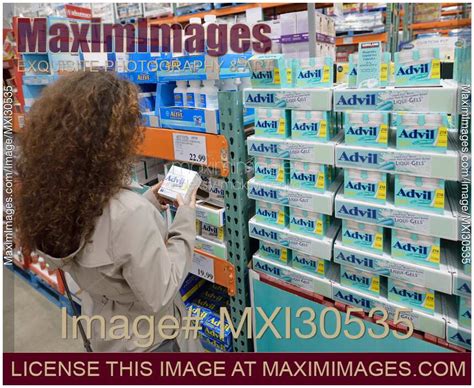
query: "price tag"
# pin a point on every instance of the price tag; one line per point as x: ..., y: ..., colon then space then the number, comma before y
x: 190, y: 148
x: 203, y: 267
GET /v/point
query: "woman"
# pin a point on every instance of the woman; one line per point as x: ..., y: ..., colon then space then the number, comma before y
x: 75, y: 210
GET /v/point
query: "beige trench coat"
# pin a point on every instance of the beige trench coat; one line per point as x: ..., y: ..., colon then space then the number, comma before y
x: 133, y: 266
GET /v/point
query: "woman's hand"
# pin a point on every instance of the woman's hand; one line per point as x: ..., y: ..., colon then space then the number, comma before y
x: 163, y: 204
x: 192, y: 200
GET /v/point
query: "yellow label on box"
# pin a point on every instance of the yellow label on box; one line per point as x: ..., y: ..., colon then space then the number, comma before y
x: 442, y: 140
x: 378, y: 241
x: 322, y: 128
x: 320, y: 181
x: 381, y: 191
x: 198, y: 226
x: 383, y: 72
x: 434, y: 255
x: 383, y: 133
x: 320, y: 268
x: 435, y: 68
x: 439, y: 198
x: 280, y: 175
x: 341, y: 73
x: 281, y: 127
x: 220, y: 234
x: 289, y: 75
x: 284, y: 255
x: 326, y: 72
x: 319, y: 227
x: 281, y: 218
x: 429, y: 301
x: 276, y: 76
x: 375, y: 285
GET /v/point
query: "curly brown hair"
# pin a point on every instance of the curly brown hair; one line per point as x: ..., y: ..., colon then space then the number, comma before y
x: 76, y: 152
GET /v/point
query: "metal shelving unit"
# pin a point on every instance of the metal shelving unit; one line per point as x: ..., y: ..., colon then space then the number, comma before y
x: 237, y: 206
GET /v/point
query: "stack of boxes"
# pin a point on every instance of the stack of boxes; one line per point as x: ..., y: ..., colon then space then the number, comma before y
x: 205, y: 300
x: 287, y: 183
x: 397, y: 216
x: 397, y: 248
x: 294, y: 35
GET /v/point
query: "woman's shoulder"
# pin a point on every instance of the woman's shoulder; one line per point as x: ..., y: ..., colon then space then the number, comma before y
x: 128, y: 202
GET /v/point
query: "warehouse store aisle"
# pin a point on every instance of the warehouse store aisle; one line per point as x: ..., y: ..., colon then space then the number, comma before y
x: 36, y: 321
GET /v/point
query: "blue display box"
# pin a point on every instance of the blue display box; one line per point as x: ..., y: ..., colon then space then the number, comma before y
x: 190, y: 119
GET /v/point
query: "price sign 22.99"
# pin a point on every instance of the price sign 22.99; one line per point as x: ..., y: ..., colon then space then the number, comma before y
x: 190, y: 148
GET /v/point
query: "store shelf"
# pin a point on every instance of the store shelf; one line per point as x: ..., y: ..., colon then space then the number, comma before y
x: 454, y: 23
x: 303, y: 280
x: 321, y: 248
x: 306, y: 151
x: 301, y: 199
x: 435, y: 99
x: 444, y: 225
x: 160, y: 143
x: 214, y: 269
x: 416, y: 163
x: 356, y: 39
x: 227, y: 11
x: 439, y: 279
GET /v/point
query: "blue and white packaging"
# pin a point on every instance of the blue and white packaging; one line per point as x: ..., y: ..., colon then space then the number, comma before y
x: 420, y: 193
x: 311, y: 125
x: 366, y: 128
x: 418, y: 67
x: 273, y: 171
x: 274, y: 252
x: 355, y: 278
x: 308, y: 223
x: 411, y: 296
x: 310, y: 176
x: 310, y: 264
x: 272, y: 122
x: 362, y: 236
x: 271, y: 214
x: 464, y: 311
x: 313, y: 72
x: 372, y: 65
x: 269, y: 71
x: 190, y: 119
x: 416, y: 248
x: 422, y: 131
x: 365, y: 185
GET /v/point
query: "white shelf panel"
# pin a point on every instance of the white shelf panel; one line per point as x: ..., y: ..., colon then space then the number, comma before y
x: 417, y: 163
x: 289, y: 98
x: 301, y: 199
x: 444, y: 225
x: 441, y: 99
x: 306, y: 151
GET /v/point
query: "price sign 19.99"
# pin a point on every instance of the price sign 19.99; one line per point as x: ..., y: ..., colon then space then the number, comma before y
x: 203, y: 267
